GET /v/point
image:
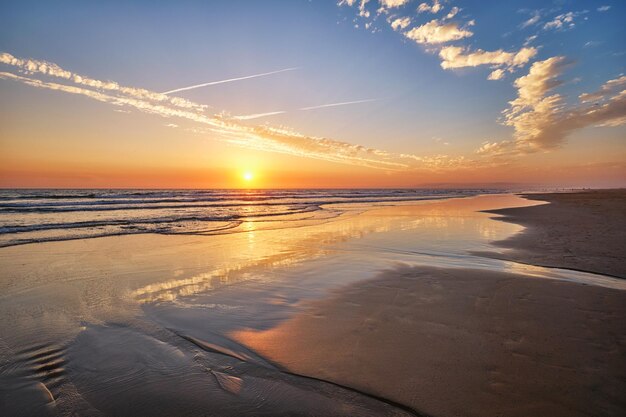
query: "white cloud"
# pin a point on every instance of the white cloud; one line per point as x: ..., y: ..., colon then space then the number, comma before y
x: 529, y: 40
x: 534, y: 19
x: 603, y: 8
x: 563, y: 21
x: 391, y: 4
x: 435, y: 32
x: 458, y: 57
x: 434, y: 8
x: 496, y: 74
x: 453, y: 12
x: 32, y: 66
x: 591, y: 44
x: 363, y: 12
x: 400, y: 23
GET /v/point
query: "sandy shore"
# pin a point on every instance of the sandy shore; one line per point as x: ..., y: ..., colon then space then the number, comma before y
x: 467, y: 342
x: 583, y: 230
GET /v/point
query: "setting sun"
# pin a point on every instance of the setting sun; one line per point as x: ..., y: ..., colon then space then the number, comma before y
x: 248, y: 176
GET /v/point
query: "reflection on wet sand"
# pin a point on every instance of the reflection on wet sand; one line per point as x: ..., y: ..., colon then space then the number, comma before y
x: 301, y: 244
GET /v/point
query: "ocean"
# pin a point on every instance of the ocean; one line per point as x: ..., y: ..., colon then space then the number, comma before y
x: 29, y: 215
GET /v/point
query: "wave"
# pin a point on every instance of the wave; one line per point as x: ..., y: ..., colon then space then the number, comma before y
x: 28, y: 216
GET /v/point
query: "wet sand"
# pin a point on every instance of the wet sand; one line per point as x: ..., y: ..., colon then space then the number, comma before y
x: 468, y: 342
x: 581, y: 230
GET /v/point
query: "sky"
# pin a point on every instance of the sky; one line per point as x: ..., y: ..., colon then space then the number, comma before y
x: 299, y: 94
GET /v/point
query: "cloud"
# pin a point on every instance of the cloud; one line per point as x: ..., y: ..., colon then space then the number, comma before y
x: 391, y: 4
x: 496, y: 74
x: 529, y: 40
x: 458, y: 57
x: 453, y: 12
x: 603, y: 8
x: 542, y: 120
x: 32, y: 66
x: 258, y: 115
x: 591, y: 44
x: 344, y: 103
x: 230, y: 80
x: 435, y: 32
x: 610, y: 87
x: 505, y: 147
x: 434, y: 8
x: 532, y: 21
x: 563, y: 21
x: 400, y: 23
x: 227, y: 129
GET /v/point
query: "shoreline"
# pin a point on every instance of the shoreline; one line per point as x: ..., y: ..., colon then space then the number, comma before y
x: 503, y: 343
x: 598, y: 244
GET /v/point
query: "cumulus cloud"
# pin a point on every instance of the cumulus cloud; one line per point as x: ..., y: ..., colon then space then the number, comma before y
x: 400, y: 23
x: 459, y: 57
x: 435, y: 32
x: 603, y: 8
x: 542, y: 120
x: 436, y: 7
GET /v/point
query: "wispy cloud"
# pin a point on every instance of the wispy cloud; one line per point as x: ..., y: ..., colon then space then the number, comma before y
x: 227, y: 129
x: 230, y: 80
x: 344, y: 103
x: 533, y: 19
x: 563, y: 21
x: 434, y: 8
x: 321, y: 106
x: 258, y: 115
x: 33, y: 66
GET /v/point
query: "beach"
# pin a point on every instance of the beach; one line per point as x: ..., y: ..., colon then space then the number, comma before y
x: 426, y: 307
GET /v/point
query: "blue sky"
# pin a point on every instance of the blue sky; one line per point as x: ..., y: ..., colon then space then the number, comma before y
x: 419, y: 108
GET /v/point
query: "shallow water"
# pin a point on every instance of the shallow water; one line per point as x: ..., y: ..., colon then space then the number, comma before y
x: 130, y: 325
x: 28, y: 216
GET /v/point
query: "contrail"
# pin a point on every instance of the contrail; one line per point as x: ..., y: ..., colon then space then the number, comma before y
x: 229, y: 80
x: 257, y: 115
x: 321, y: 106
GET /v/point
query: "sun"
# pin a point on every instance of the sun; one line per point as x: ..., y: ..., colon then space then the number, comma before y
x: 248, y: 176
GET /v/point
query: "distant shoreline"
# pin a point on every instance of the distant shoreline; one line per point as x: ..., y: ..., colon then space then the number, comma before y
x: 577, y: 230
